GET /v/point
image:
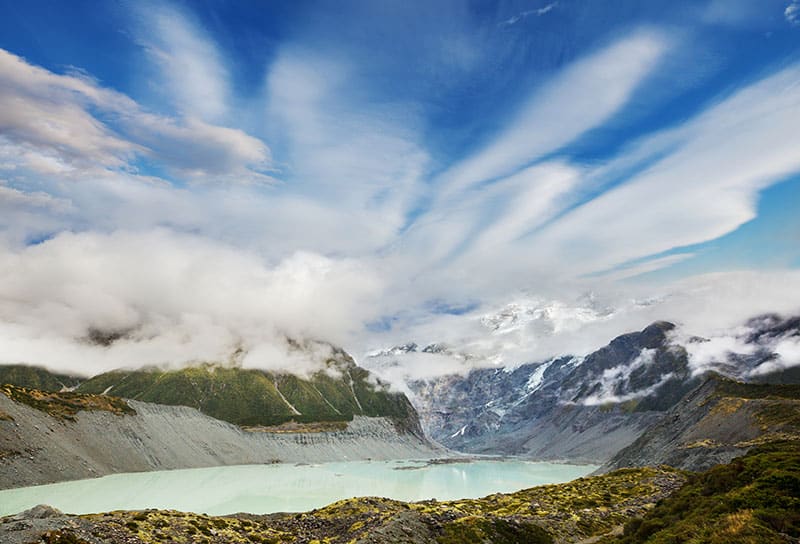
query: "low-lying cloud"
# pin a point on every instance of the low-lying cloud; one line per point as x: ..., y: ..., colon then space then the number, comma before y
x: 167, y: 299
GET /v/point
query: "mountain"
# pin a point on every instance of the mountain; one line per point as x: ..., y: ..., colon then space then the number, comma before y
x: 34, y: 377
x: 716, y: 422
x: 587, y: 408
x: 257, y: 397
x: 207, y: 415
x: 251, y: 397
x: 577, y: 408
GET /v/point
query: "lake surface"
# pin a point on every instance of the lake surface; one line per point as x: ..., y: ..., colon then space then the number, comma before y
x: 288, y: 488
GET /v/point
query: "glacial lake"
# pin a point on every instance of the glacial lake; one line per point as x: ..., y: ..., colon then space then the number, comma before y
x: 265, y: 489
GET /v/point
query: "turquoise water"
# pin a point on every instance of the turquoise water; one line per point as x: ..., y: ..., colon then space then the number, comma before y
x: 287, y: 488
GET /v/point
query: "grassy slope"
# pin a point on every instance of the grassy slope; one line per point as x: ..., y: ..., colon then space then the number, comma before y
x: 34, y: 377
x: 719, y: 420
x: 255, y: 397
x: 753, y: 500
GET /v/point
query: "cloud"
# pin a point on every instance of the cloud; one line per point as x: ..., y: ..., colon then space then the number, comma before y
x: 584, y: 95
x: 525, y: 14
x: 724, y: 156
x: 369, y: 189
x: 194, y: 301
x: 534, y: 327
x: 365, y: 158
x: 189, y: 63
x: 792, y: 12
x: 47, y: 112
x: 71, y: 126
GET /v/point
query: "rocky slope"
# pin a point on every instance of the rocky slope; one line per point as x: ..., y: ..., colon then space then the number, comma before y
x: 581, y: 409
x: 716, y: 422
x: 61, y: 436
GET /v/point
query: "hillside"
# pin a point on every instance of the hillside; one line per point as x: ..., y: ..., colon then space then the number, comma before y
x: 49, y: 437
x: 716, y: 422
x: 34, y: 377
x: 245, y: 397
x: 753, y: 499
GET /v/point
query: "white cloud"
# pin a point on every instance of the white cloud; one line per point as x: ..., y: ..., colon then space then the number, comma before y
x: 366, y: 159
x: 584, y: 95
x: 704, y: 186
x: 193, y: 301
x: 71, y: 126
x: 544, y: 10
x: 537, y: 327
x: 792, y: 12
x: 190, y: 64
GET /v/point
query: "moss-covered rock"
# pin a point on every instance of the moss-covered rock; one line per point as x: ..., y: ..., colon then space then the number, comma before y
x: 64, y: 405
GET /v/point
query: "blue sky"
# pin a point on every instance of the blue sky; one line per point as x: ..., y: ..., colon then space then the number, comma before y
x: 407, y: 156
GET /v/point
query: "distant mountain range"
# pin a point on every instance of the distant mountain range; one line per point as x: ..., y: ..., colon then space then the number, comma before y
x: 585, y: 408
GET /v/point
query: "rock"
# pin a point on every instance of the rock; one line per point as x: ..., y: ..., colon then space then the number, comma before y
x: 41, y: 511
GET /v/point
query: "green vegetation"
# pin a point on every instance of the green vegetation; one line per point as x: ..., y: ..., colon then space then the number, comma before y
x: 34, y: 377
x: 66, y: 404
x: 253, y: 398
x: 157, y: 526
x: 578, y: 510
x: 497, y: 531
x: 753, y: 500
x: 731, y: 388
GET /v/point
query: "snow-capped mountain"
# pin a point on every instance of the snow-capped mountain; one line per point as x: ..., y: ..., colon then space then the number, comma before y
x: 587, y: 407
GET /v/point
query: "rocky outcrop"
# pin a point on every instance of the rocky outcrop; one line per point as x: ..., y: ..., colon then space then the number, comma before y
x: 38, y: 447
x: 718, y: 421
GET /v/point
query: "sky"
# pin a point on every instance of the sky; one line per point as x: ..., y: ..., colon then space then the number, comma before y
x: 205, y: 177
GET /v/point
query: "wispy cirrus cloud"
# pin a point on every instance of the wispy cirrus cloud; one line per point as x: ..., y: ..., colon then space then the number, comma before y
x: 584, y: 95
x: 724, y: 156
x: 514, y: 19
x: 189, y: 64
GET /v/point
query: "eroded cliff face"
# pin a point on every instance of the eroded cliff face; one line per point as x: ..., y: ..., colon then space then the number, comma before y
x: 38, y: 447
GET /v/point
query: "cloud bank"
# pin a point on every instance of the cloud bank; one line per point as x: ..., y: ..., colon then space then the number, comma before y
x: 171, y: 300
